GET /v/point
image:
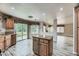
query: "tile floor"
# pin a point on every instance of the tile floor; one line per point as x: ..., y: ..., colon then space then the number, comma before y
x: 63, y: 47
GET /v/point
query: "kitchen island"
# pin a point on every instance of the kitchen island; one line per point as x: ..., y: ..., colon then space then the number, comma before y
x: 43, y: 45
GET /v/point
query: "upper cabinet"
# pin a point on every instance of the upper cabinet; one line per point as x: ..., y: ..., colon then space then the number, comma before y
x: 77, y: 16
x: 9, y: 23
x: 6, y: 24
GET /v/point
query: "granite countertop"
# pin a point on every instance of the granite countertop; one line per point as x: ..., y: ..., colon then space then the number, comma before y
x: 43, y: 37
x: 69, y: 35
x: 1, y: 34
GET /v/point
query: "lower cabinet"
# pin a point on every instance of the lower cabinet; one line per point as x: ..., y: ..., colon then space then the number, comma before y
x: 78, y: 42
x: 42, y: 46
x: 7, y: 41
x: 2, y: 43
x: 43, y: 49
x: 13, y: 39
x: 35, y: 46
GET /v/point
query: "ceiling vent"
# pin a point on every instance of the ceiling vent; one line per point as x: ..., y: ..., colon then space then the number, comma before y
x: 30, y: 16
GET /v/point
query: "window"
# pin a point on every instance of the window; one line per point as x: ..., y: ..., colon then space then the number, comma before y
x: 34, y: 29
x: 60, y: 28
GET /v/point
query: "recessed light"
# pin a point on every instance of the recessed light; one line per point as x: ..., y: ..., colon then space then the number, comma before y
x: 43, y: 14
x: 38, y: 18
x: 12, y: 8
x: 61, y: 9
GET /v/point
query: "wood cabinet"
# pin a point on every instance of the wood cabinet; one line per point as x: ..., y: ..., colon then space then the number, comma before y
x: 2, y: 43
x: 35, y: 45
x: 43, y: 49
x: 7, y: 41
x: 9, y: 23
x: 13, y: 39
x: 8, y: 38
x: 77, y: 18
x: 78, y: 43
x: 43, y: 46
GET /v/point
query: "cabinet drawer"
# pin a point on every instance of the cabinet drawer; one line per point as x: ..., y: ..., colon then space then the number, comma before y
x: 41, y: 40
x: 1, y: 37
x: 45, y: 41
x: 2, y: 43
x: 8, y: 36
x: 1, y: 40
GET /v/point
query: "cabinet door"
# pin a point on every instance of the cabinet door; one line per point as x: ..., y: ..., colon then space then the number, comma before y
x: 9, y: 24
x: 35, y: 45
x: 8, y: 41
x: 2, y: 43
x: 78, y: 18
x: 78, y: 43
x: 43, y: 49
x: 13, y: 39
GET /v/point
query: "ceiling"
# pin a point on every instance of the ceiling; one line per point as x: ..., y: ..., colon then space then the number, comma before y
x: 39, y: 11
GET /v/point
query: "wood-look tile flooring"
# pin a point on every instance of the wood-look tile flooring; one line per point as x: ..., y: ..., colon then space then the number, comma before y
x: 24, y: 48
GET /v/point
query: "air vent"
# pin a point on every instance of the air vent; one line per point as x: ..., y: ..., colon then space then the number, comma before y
x: 30, y: 16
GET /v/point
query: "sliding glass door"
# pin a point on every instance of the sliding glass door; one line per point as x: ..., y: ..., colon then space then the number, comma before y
x: 24, y: 31
x: 21, y: 31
